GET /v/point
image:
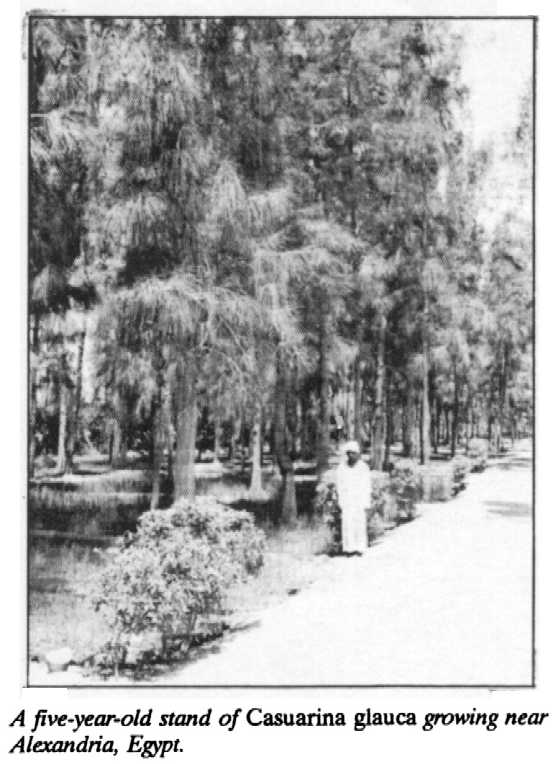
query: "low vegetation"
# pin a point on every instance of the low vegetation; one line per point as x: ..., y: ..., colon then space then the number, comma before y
x: 170, y: 578
x: 62, y: 611
x: 195, y: 570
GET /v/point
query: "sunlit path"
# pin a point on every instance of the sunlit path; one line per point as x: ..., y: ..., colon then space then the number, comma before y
x: 443, y: 600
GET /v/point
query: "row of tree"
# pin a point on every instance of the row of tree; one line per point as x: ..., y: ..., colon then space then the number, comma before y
x: 272, y: 226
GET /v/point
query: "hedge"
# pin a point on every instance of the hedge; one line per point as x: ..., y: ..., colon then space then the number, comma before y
x: 395, y: 494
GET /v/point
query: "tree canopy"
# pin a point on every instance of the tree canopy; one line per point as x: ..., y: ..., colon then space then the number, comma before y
x: 271, y: 225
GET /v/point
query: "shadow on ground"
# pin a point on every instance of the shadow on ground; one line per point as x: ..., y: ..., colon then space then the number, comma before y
x: 508, y: 508
x: 513, y: 462
x: 201, y: 652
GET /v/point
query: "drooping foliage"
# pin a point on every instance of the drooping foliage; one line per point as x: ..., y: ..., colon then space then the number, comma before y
x: 269, y: 232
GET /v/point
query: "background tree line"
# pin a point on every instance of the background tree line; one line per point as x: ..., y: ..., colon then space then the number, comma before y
x: 268, y: 230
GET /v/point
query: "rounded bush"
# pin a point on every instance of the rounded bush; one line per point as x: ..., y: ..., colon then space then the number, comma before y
x: 461, y: 466
x: 382, y: 501
x: 405, y: 485
x: 326, y: 506
x: 477, y: 452
x: 174, y: 572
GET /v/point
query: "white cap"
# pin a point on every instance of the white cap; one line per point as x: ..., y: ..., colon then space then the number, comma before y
x: 352, y: 447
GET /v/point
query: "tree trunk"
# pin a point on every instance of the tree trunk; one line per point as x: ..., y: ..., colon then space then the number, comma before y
x: 231, y: 442
x: 425, y: 407
x: 491, y: 420
x: 309, y: 427
x: 379, y: 421
x: 244, y: 450
x: 61, y: 465
x: 256, y: 481
x: 503, y: 381
x: 217, y: 432
x: 323, y: 445
x: 425, y: 402
x: 358, y: 387
x: 73, y: 438
x: 170, y: 481
x: 235, y: 438
x: 410, y: 435
x: 468, y: 419
x: 358, y: 401
x: 157, y: 451
x: 32, y: 434
x: 116, y: 449
x: 187, y: 417
x: 298, y: 428
x: 405, y: 428
x: 454, y: 413
x: 304, y: 428
x: 293, y: 411
x: 389, y: 428
x: 288, y: 511
x: 432, y: 409
x: 416, y: 427
x: 349, y: 419
x: 120, y: 432
x: 437, y: 423
x: 424, y: 424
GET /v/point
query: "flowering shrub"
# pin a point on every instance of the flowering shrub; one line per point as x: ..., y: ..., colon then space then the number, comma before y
x: 173, y: 573
x: 477, y: 452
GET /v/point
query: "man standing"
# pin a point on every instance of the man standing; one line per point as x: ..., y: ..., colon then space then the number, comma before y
x: 353, y: 485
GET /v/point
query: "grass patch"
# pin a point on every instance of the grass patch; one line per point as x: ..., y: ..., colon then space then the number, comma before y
x: 106, y: 482
x: 293, y: 559
x: 88, y: 514
x: 60, y: 613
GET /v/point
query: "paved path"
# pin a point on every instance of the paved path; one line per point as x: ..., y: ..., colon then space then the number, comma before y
x: 443, y: 600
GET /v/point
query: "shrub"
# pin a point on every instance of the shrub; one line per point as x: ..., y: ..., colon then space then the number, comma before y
x: 171, y: 576
x: 460, y: 468
x: 383, y: 507
x: 383, y: 503
x: 326, y: 504
x: 477, y: 452
x: 405, y: 485
x: 435, y: 482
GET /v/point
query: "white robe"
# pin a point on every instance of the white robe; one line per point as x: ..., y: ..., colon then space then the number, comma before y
x: 353, y: 485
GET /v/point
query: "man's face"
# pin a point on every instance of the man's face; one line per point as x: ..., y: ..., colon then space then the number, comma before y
x: 352, y: 457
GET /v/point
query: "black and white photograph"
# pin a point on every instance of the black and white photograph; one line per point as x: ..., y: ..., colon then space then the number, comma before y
x: 280, y: 351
